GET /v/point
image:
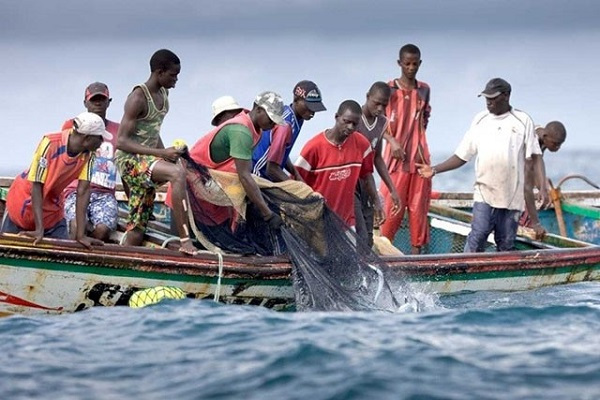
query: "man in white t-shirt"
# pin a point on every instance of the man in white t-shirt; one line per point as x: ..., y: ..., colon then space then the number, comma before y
x: 502, y: 138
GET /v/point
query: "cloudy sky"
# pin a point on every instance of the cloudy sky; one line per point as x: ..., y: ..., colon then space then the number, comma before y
x: 547, y: 49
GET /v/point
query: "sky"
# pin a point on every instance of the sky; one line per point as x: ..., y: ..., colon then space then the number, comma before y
x: 548, y: 50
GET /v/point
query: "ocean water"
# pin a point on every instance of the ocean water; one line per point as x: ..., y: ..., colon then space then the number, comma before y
x: 541, y: 344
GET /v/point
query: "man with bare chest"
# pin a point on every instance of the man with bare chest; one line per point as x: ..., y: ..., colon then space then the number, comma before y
x: 142, y: 159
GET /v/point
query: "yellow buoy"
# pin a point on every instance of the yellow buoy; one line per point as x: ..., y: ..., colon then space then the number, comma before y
x: 153, y: 295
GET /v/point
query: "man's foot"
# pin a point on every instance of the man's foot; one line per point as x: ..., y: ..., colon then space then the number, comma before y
x: 415, y: 250
x: 188, y: 248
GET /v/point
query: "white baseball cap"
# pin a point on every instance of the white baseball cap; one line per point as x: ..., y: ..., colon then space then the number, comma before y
x: 88, y: 123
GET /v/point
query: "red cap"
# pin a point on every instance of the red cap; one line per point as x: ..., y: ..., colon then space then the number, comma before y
x: 96, y: 88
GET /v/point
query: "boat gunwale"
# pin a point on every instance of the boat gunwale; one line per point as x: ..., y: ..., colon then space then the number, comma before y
x: 170, y: 262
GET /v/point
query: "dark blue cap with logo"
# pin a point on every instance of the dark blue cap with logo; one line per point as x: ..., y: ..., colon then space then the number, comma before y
x: 310, y: 93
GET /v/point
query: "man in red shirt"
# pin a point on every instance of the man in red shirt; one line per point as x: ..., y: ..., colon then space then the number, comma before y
x: 35, y: 201
x: 333, y: 161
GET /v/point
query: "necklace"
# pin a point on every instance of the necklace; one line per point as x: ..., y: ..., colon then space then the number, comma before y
x: 370, y: 127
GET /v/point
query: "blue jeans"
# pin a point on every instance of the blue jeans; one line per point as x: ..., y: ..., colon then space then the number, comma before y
x: 58, y: 231
x: 486, y: 219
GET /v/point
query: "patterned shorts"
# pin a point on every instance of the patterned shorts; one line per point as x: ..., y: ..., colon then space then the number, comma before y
x: 136, y: 172
x: 101, y: 210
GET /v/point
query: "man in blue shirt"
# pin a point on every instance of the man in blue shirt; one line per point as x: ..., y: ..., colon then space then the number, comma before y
x: 272, y: 153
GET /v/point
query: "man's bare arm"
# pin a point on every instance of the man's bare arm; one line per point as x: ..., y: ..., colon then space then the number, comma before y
x: 385, y: 177
x: 244, y: 170
x: 451, y: 163
x: 275, y: 173
x: 37, y: 190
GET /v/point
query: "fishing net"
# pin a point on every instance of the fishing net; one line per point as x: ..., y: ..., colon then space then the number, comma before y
x: 331, y: 271
x: 220, y: 226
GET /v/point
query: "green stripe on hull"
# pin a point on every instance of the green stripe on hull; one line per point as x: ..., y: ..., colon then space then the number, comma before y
x: 132, y: 273
x: 588, y: 212
x: 549, y: 271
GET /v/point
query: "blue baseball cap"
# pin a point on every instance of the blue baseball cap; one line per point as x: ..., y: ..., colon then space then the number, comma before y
x: 310, y: 93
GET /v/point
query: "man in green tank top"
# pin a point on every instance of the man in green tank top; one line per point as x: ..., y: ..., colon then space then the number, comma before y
x: 142, y: 159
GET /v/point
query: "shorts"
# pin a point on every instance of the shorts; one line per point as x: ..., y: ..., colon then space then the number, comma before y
x: 136, y: 172
x: 58, y: 231
x: 102, y: 210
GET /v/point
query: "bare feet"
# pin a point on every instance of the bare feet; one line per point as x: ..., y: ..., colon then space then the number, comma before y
x: 188, y: 248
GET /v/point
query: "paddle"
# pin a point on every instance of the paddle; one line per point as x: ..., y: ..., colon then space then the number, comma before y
x: 555, y: 196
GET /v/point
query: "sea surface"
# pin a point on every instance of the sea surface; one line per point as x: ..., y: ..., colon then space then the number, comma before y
x: 539, y: 344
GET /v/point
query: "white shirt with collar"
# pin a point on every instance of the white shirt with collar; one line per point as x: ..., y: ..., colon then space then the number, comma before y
x: 501, y: 144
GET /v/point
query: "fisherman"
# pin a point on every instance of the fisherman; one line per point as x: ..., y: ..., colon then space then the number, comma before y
x: 408, y: 112
x: 142, y: 159
x: 35, y: 200
x: 373, y: 124
x: 272, y: 153
x: 102, y: 211
x: 551, y: 137
x: 502, y: 138
x: 227, y: 149
x: 334, y: 160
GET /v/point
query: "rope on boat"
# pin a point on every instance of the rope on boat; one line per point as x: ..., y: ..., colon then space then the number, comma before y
x: 199, y: 235
x: 168, y: 240
x: 207, y: 245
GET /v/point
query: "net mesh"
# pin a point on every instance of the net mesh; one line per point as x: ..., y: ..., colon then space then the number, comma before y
x: 442, y: 240
x: 331, y: 270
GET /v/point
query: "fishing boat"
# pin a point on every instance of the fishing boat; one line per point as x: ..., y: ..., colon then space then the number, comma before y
x: 574, y: 214
x: 58, y: 276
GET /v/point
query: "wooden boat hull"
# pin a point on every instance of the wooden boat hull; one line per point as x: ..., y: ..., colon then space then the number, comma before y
x: 582, y: 222
x: 580, y: 211
x: 58, y: 276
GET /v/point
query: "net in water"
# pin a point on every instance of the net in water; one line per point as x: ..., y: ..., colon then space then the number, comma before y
x: 331, y: 270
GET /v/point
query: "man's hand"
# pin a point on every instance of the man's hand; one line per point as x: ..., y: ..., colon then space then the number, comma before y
x: 88, y: 242
x: 539, y: 231
x: 36, y: 235
x: 379, y: 215
x: 172, y: 154
x: 395, y: 149
x: 425, y: 171
x: 274, y: 221
x: 396, y: 201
